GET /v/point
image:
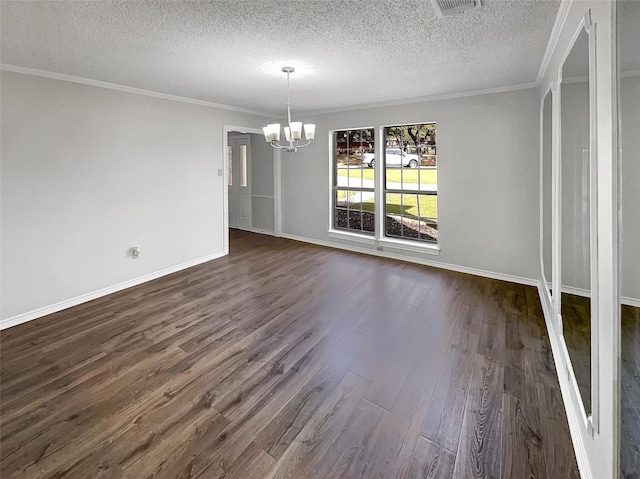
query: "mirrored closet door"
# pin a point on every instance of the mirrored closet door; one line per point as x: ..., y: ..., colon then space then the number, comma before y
x: 628, y: 23
x: 577, y: 206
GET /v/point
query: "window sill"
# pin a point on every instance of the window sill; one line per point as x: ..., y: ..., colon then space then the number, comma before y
x: 358, y: 238
x: 403, y: 245
x: 408, y: 245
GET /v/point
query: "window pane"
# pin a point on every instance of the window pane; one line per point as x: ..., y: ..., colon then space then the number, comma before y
x: 428, y: 229
x: 354, y: 181
x: 367, y: 157
x: 342, y: 177
x: 341, y: 219
x: 230, y: 165
x: 429, y: 157
x: 354, y: 157
x: 411, y: 204
x: 353, y: 199
x: 369, y: 221
x: 243, y: 157
x: 428, y: 178
x: 354, y: 210
x: 356, y: 177
x: 406, y: 178
x: 411, y: 216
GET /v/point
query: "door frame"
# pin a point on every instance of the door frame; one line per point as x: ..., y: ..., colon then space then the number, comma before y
x: 277, y: 208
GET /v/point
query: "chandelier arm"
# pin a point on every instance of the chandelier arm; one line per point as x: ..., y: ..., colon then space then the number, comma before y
x: 293, y: 143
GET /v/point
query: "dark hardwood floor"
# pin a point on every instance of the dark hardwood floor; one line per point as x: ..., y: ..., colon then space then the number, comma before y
x: 630, y: 394
x: 285, y: 359
x: 577, y: 334
x: 576, y: 329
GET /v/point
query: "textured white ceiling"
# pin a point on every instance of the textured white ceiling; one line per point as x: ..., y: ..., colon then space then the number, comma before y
x: 346, y: 52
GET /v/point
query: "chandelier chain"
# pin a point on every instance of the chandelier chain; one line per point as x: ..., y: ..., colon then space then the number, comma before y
x: 288, y: 99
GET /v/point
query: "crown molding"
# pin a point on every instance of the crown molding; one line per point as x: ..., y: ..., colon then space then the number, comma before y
x: 561, y: 18
x: 126, y: 89
x: 447, y: 96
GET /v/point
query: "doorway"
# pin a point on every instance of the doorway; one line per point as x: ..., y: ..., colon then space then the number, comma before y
x: 252, y: 178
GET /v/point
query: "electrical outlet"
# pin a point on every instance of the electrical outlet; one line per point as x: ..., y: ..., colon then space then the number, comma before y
x: 135, y: 252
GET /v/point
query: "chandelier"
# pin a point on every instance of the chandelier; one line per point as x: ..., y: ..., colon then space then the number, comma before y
x: 293, y: 132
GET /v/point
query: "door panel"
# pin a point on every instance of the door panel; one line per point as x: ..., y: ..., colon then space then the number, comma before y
x: 232, y: 185
x: 239, y: 182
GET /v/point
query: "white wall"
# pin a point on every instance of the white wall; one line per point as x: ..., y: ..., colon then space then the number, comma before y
x: 488, y: 179
x: 88, y: 172
x: 630, y: 231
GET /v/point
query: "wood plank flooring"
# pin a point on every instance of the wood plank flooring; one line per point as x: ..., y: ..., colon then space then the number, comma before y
x: 288, y: 360
x: 576, y: 320
x: 630, y: 394
x: 577, y: 335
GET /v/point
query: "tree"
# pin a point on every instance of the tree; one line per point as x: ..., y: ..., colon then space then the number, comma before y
x: 418, y: 136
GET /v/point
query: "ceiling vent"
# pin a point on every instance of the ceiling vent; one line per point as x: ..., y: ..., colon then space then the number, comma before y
x: 444, y: 8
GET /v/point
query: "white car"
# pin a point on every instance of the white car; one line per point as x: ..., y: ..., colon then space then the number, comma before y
x: 393, y: 157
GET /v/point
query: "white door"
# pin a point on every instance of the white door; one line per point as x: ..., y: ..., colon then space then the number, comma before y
x: 239, y: 181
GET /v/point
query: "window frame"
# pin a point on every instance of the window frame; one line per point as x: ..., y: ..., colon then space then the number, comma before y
x: 378, y: 239
x: 403, y: 190
x: 361, y: 236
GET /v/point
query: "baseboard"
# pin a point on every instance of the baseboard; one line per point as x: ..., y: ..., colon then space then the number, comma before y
x: 425, y: 262
x: 584, y: 293
x: 627, y: 301
x: 263, y: 232
x: 630, y: 301
x: 573, y: 417
x: 54, y: 308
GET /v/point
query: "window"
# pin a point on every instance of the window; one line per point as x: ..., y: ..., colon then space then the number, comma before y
x: 354, y: 181
x: 230, y: 165
x: 406, y: 196
x: 410, y: 182
x: 243, y: 157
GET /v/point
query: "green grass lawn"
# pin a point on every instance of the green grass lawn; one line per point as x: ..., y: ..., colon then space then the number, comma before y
x: 408, y: 206
x: 427, y: 177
